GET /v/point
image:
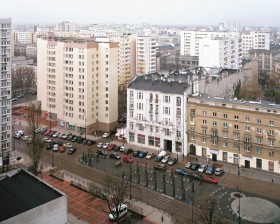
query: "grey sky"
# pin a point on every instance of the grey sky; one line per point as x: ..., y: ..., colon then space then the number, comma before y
x: 181, y: 12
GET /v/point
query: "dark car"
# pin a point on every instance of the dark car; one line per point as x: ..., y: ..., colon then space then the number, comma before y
x: 181, y: 171
x: 74, y: 138
x: 196, y: 176
x: 69, y: 137
x: 60, y: 143
x: 71, y: 150
x: 102, y: 153
x: 84, y: 141
x: 116, y: 148
x: 142, y: 154
x: 160, y: 167
x: 128, y: 151
x: 194, y: 166
x: 136, y: 153
x: 43, y: 131
x: 79, y: 139
x: 115, y: 156
x: 210, y: 170
x: 90, y: 142
x: 49, y: 146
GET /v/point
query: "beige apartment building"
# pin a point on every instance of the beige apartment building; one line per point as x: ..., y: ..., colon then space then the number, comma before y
x: 245, y: 133
x: 78, y: 83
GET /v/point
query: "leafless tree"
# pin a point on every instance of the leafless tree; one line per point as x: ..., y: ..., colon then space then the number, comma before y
x: 250, y: 90
x: 36, y: 145
x: 113, y: 192
x: 22, y: 80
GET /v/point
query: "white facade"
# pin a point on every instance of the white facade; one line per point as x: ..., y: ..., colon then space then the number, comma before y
x: 254, y: 40
x: 190, y: 40
x: 145, y: 55
x: 156, y: 119
x: 220, y: 52
x: 23, y: 37
x: 77, y: 83
x: 65, y: 26
x: 5, y: 85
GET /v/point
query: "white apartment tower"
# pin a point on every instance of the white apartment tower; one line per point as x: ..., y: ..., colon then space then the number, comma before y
x: 254, y: 40
x: 5, y: 85
x: 65, y: 26
x: 145, y: 55
x: 190, y: 40
x: 23, y: 37
x: 78, y: 83
x: 220, y: 52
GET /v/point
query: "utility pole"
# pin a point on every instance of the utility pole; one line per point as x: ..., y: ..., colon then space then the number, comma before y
x: 130, y: 179
x: 50, y: 116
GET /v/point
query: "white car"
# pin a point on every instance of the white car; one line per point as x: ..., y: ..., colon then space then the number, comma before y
x: 188, y: 165
x: 165, y: 159
x: 47, y: 140
x: 106, y: 135
x: 55, y: 135
x: 150, y: 155
x: 67, y: 145
x: 202, y: 168
x: 55, y: 147
x: 25, y: 137
x: 105, y: 145
x: 99, y: 145
x: 122, y: 148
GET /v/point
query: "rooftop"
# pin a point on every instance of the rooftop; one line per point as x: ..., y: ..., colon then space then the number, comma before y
x: 20, y: 191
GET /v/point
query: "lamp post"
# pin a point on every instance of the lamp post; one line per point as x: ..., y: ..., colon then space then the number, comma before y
x: 130, y: 180
x: 50, y: 118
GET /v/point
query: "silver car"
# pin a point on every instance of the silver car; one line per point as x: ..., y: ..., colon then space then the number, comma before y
x: 202, y: 168
x: 165, y: 159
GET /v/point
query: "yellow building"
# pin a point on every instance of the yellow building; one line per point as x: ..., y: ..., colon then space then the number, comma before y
x: 246, y: 133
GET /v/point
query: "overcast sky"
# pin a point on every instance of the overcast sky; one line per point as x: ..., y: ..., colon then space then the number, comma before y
x: 173, y: 12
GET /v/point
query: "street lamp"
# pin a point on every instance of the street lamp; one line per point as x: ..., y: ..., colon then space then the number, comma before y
x: 50, y: 118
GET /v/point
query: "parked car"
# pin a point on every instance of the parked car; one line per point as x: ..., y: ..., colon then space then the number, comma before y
x: 90, y: 142
x: 55, y: 135
x: 136, y: 153
x: 47, y: 140
x: 159, y: 166
x: 218, y: 171
x: 194, y: 166
x: 128, y: 151
x: 74, y: 138
x: 55, y: 147
x: 43, y: 131
x: 84, y: 141
x: 60, y: 135
x: 116, y: 148
x: 20, y: 95
x: 101, y: 153
x: 142, y: 154
x: 202, y: 168
x: 79, y: 139
x: 210, y: 180
x: 110, y: 147
x: 165, y: 159
x: 51, y: 133
x: 188, y: 165
x: 122, y: 148
x: 114, y: 156
x: 150, y: 155
x: 172, y: 161
x: 181, y: 171
x: 24, y: 138
x: 14, y: 99
x: 196, y: 176
x: 127, y: 159
x: 105, y: 145
x: 160, y: 156
x: 62, y: 149
x: 210, y: 170
x: 69, y: 137
x: 71, y: 150
x: 99, y: 145
x: 49, y: 146
x: 67, y: 145
x: 122, y: 212
x: 47, y: 132
x: 64, y: 136
x: 106, y: 134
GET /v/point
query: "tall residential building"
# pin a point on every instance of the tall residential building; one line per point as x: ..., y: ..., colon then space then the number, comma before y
x: 23, y: 37
x: 254, y: 40
x: 220, y: 52
x: 145, y: 55
x: 240, y: 132
x: 190, y: 40
x: 78, y: 83
x: 65, y: 26
x: 5, y: 85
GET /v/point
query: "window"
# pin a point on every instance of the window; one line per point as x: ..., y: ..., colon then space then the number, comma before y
x: 214, y: 123
x: 271, y: 142
x: 236, y: 136
x: 247, y: 119
x: 247, y: 140
x: 178, y: 133
x: 247, y: 129
x: 204, y: 130
x: 259, y: 140
x: 204, y: 113
x: 166, y: 110
x: 271, y: 153
x: 225, y: 116
x: 235, y: 117
x: 131, y: 94
x: 235, y: 146
x: 247, y: 148
x: 131, y: 113
x: 236, y: 127
x: 204, y: 122
x: 259, y: 131
x: 259, y: 121
x: 131, y: 125
x: 259, y: 151
x: 167, y: 132
x: 178, y: 101
x: 225, y: 125
x: 204, y: 140
x: 214, y: 114
x: 192, y: 128
x: 141, y: 127
x: 225, y: 134
x: 192, y: 112
x: 271, y: 133
x: 225, y: 144
x: 271, y: 123
x: 167, y: 99
x: 140, y: 95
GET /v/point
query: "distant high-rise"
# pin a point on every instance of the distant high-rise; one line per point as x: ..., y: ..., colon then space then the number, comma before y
x: 65, y: 26
x: 5, y: 85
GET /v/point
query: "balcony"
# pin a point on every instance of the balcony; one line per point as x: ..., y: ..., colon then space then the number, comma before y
x: 214, y: 138
x: 156, y: 112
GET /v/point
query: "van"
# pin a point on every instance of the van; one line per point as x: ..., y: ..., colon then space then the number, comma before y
x: 122, y: 212
x: 160, y: 156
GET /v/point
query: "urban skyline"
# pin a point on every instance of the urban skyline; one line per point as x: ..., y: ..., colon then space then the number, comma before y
x: 250, y: 13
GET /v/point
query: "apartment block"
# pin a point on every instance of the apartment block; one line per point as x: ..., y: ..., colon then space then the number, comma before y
x: 190, y: 40
x: 220, y: 52
x: 78, y: 83
x: 145, y: 55
x: 65, y: 26
x: 23, y: 37
x: 254, y: 40
x: 156, y: 111
x: 245, y: 133
x: 5, y: 85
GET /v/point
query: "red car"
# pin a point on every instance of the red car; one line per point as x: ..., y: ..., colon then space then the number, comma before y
x: 210, y: 180
x: 47, y: 132
x: 110, y: 147
x: 61, y: 149
x: 127, y: 159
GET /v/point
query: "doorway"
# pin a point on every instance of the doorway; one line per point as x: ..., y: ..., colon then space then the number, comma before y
x: 214, y: 157
x: 192, y: 150
x: 168, y: 145
x: 247, y: 164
